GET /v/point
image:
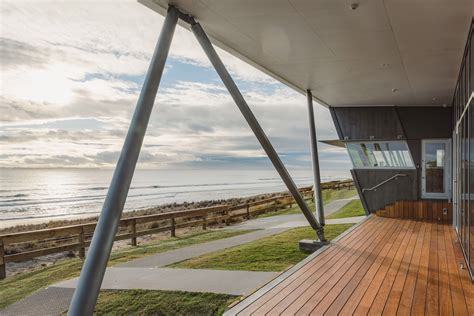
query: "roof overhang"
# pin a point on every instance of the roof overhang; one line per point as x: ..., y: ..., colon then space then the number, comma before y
x: 334, y: 142
x: 392, y: 52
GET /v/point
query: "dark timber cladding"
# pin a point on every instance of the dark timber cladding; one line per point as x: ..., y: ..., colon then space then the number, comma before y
x: 392, y: 123
x: 403, y: 188
x: 368, y: 123
x: 384, y: 266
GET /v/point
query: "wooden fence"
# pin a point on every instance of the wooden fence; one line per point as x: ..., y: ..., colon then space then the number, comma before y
x: 16, y: 247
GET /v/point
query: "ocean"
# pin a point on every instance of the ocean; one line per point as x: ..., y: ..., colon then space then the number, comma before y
x: 55, y: 193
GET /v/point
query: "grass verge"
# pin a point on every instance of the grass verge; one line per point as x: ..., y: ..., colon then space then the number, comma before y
x: 19, y: 286
x: 274, y: 253
x: 332, y: 195
x: 328, y: 196
x: 146, y: 302
x: 351, y: 209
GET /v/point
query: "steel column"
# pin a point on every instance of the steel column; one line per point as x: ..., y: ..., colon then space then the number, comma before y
x: 85, y: 296
x: 255, y: 126
x: 318, y: 198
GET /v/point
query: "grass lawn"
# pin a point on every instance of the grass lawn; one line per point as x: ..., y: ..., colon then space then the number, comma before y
x: 332, y: 195
x: 328, y: 196
x: 351, y: 209
x: 274, y: 253
x: 145, y: 302
x: 21, y: 285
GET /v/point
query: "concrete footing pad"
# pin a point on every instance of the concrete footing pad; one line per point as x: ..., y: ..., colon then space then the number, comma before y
x: 310, y: 246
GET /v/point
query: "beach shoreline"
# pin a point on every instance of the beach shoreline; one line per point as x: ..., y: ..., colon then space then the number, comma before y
x: 35, y: 223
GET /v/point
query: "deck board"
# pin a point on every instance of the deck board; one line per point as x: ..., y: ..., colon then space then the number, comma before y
x: 384, y: 266
x: 287, y: 292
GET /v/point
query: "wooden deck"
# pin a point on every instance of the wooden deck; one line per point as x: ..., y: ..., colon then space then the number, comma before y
x: 383, y: 266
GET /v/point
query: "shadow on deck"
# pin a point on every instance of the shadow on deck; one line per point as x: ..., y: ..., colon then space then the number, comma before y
x: 382, y: 266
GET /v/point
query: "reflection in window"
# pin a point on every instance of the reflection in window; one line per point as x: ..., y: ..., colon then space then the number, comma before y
x: 393, y: 154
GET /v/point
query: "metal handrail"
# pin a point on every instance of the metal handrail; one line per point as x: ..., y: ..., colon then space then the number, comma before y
x: 383, y: 182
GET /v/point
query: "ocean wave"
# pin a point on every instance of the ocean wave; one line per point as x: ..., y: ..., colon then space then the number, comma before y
x: 17, y: 207
x: 14, y: 195
x: 190, y: 185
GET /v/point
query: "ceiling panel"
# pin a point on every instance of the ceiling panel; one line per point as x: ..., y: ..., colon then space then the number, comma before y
x: 337, y: 15
x: 281, y: 34
x: 386, y: 52
x: 430, y: 27
x: 249, y: 8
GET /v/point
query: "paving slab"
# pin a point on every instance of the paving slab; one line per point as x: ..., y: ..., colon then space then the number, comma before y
x: 45, y: 302
x: 191, y: 280
x: 170, y: 257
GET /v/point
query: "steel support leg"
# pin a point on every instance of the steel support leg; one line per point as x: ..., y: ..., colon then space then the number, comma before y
x: 85, y: 296
x: 255, y: 126
x: 318, y: 199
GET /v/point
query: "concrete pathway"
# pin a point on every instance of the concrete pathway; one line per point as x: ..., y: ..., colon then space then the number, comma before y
x: 51, y: 301
x: 297, y: 220
x: 336, y: 205
x: 206, y: 281
x: 173, y: 256
x: 144, y: 273
x: 147, y: 272
x: 287, y: 221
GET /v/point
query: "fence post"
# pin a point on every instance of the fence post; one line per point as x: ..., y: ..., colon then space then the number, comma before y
x: 134, y: 232
x: 227, y: 216
x: 248, y: 210
x: 204, y: 224
x: 3, y: 270
x: 82, y: 248
x: 173, y: 227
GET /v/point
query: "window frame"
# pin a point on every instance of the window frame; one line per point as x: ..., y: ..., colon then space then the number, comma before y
x: 381, y: 168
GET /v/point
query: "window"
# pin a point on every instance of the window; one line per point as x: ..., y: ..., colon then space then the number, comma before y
x: 389, y: 154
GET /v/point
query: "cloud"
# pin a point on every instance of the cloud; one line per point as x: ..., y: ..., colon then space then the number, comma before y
x: 14, y: 54
x: 72, y: 73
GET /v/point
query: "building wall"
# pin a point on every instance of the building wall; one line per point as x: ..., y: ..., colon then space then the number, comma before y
x: 411, y: 124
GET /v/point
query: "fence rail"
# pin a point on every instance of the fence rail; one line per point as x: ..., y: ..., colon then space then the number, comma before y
x: 16, y: 247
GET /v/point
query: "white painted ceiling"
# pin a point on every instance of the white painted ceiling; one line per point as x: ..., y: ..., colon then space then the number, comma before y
x: 386, y: 52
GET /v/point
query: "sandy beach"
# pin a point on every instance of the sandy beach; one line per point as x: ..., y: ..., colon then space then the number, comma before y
x: 26, y: 224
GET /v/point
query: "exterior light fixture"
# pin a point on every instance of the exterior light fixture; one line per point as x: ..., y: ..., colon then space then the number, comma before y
x: 394, y: 90
x: 354, y: 6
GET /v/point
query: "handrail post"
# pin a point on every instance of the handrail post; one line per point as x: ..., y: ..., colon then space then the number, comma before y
x: 92, y: 274
x: 3, y: 266
x: 247, y: 206
x: 134, y: 232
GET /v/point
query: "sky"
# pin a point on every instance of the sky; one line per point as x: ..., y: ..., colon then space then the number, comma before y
x: 71, y: 73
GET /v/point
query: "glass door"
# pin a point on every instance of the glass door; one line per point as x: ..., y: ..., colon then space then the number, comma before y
x: 436, y: 177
